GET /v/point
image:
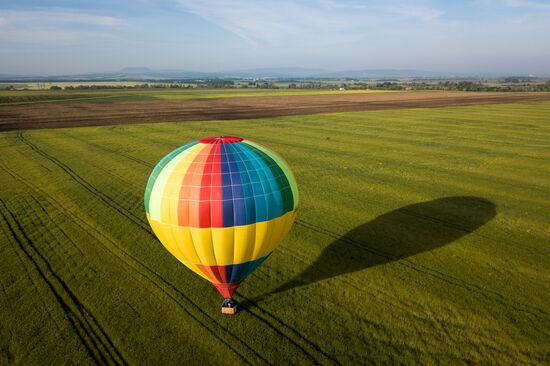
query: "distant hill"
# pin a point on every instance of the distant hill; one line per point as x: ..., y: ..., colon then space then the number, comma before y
x: 281, y: 72
x: 135, y: 70
x: 145, y: 74
x: 387, y: 73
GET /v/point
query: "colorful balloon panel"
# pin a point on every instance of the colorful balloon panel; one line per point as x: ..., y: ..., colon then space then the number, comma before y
x: 221, y: 205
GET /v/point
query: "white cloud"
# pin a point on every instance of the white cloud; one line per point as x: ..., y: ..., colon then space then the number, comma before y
x: 59, y: 17
x: 526, y: 4
x: 54, y: 27
x: 515, y: 4
x: 415, y: 12
x: 276, y: 22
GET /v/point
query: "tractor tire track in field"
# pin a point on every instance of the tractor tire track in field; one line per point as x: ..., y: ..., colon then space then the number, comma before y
x: 406, y: 307
x: 21, y: 257
x: 89, y: 228
x: 296, y: 334
x: 102, y: 147
x: 395, y: 303
x: 419, y: 268
x: 138, y: 268
x: 489, y: 179
x: 97, y: 344
x: 142, y: 225
x: 534, y: 311
x: 73, y: 266
x: 113, y: 151
x: 81, y: 181
x: 335, y: 235
x: 314, y: 347
x: 265, y: 312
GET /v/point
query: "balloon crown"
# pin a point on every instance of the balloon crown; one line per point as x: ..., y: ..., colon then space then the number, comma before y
x: 220, y: 140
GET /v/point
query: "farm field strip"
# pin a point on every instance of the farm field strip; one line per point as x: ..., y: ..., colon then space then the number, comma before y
x: 22, y: 97
x: 73, y: 201
x: 67, y: 98
x: 85, y: 114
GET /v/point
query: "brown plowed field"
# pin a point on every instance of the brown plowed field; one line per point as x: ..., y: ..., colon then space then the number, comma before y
x: 76, y: 114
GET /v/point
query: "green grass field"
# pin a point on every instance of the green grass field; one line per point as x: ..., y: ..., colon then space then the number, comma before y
x: 422, y: 238
x: 106, y: 96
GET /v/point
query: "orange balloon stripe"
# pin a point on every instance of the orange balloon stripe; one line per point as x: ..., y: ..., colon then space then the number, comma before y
x: 190, y: 189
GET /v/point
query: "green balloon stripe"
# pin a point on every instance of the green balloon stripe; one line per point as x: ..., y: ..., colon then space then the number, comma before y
x: 280, y: 163
x: 159, y: 167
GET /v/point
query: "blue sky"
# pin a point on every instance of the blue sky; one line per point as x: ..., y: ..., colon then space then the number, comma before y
x: 64, y: 36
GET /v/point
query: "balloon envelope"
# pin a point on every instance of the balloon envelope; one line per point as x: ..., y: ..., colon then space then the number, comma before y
x: 221, y: 205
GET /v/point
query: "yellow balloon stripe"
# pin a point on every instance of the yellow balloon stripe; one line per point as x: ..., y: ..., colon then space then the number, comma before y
x: 222, y: 246
x: 170, y: 195
x: 175, y: 243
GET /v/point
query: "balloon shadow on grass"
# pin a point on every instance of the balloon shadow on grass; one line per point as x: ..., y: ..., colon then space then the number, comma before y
x: 398, y: 234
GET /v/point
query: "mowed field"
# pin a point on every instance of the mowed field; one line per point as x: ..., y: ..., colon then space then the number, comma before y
x: 15, y: 97
x: 198, y: 105
x: 422, y: 237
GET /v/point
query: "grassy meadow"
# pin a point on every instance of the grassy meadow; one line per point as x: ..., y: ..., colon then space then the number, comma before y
x: 422, y: 238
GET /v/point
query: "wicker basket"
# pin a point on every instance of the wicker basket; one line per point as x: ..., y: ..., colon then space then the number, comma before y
x: 228, y: 310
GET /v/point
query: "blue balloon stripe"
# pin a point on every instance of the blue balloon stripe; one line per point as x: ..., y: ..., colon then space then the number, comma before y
x: 227, y: 191
x: 247, y: 188
x: 259, y: 190
x: 238, y: 272
x: 274, y: 200
x: 282, y: 180
x: 239, y: 213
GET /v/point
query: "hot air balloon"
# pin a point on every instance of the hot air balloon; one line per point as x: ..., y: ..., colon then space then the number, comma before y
x: 221, y: 205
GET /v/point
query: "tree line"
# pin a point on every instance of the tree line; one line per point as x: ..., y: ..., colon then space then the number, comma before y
x: 449, y: 85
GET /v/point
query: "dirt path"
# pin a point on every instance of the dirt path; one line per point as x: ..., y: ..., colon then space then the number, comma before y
x: 76, y: 114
